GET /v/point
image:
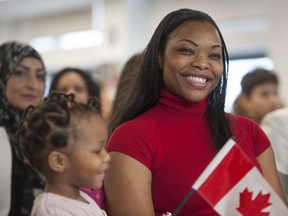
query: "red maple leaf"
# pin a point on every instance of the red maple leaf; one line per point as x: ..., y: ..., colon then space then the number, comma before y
x: 249, y: 207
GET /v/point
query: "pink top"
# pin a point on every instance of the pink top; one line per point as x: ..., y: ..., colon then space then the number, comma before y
x: 97, y: 195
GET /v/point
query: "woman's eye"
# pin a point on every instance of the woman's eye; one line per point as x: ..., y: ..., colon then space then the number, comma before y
x: 186, y: 50
x: 79, y: 89
x: 18, y: 73
x: 40, y: 77
x: 216, y: 56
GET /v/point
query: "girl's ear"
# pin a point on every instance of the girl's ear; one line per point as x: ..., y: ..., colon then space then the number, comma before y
x: 57, y: 161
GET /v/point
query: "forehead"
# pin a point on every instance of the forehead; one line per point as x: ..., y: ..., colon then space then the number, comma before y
x: 266, y: 86
x: 30, y: 61
x: 71, y: 76
x: 89, y: 126
x: 197, y: 30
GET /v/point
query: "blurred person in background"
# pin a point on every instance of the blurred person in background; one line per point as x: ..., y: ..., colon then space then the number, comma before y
x: 22, y: 83
x: 275, y: 125
x: 76, y: 81
x: 125, y: 83
x: 259, y: 94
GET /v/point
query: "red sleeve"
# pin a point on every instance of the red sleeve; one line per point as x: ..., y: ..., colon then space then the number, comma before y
x: 250, y: 137
x: 262, y: 142
x: 131, y: 139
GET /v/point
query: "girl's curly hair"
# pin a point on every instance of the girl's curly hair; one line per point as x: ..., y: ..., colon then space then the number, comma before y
x: 50, y: 126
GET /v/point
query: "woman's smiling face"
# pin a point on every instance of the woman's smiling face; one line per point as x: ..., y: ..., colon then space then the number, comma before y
x: 192, y: 64
x: 25, y: 86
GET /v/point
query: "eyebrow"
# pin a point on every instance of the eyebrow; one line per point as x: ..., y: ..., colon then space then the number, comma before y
x: 27, y: 68
x: 196, y: 45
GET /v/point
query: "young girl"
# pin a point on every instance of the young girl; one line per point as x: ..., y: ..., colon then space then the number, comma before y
x: 65, y: 141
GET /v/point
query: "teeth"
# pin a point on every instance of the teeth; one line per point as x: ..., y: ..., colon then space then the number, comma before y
x: 197, y: 79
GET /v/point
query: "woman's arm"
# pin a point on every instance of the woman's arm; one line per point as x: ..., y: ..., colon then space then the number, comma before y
x: 268, y: 166
x: 128, y: 187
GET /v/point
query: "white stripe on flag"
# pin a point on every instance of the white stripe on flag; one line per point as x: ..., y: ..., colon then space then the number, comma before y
x: 214, y: 163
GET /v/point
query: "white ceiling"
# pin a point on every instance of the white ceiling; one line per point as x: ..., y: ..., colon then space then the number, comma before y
x: 19, y: 9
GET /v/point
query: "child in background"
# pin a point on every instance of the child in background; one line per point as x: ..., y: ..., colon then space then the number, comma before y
x: 65, y: 141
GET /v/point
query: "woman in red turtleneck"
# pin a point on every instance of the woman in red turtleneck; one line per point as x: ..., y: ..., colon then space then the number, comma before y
x: 166, y: 131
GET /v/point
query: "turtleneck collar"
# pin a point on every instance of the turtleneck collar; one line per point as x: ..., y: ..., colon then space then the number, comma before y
x: 181, y: 107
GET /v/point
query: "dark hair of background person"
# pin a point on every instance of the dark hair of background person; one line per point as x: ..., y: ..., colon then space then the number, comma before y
x: 93, y: 87
x: 126, y: 82
x: 257, y: 77
x: 49, y: 125
x: 149, y: 81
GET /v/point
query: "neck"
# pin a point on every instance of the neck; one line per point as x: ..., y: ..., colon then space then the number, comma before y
x: 63, y: 189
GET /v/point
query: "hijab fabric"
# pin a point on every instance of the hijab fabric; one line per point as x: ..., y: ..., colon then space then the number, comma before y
x: 11, y: 54
x: 24, y: 179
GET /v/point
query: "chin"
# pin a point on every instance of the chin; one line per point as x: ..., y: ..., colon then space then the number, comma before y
x: 98, y: 185
x: 194, y: 99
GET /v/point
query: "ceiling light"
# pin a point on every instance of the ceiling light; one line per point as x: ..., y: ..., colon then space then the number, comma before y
x: 81, y: 39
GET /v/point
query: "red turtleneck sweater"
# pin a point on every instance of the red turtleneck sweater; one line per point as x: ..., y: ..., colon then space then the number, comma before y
x: 173, y: 140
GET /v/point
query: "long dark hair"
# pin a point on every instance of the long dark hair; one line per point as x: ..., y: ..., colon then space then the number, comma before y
x: 149, y: 81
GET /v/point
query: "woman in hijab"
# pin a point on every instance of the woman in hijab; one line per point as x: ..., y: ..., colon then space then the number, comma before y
x: 22, y: 83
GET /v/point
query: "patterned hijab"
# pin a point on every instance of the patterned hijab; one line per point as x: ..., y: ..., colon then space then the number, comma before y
x: 11, y: 54
x: 26, y: 183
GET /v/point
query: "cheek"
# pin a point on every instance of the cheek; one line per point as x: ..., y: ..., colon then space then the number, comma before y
x: 169, y: 73
x: 41, y: 88
x: 11, y: 89
x: 219, y: 71
x: 82, y: 97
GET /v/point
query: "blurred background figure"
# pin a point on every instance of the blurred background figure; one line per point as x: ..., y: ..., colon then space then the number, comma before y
x: 22, y: 83
x: 275, y: 125
x: 125, y: 83
x: 76, y: 81
x: 259, y: 94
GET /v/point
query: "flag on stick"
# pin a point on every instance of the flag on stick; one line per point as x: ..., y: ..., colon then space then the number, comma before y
x: 233, y: 185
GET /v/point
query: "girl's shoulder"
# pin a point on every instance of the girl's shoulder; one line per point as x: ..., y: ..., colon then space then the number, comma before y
x: 54, y: 204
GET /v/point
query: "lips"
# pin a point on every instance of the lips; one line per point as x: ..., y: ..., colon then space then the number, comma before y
x: 101, y: 174
x: 29, y: 96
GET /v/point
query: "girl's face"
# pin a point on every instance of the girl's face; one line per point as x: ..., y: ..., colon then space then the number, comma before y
x: 88, y: 159
x: 192, y: 62
x: 72, y: 82
x: 25, y: 86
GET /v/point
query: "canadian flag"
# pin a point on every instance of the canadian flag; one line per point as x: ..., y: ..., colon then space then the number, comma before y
x: 232, y: 185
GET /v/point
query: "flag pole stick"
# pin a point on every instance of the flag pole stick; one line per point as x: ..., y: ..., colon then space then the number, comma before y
x: 188, y: 195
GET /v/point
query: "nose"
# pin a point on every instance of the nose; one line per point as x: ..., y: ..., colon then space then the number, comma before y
x: 200, y: 62
x: 70, y: 91
x: 32, y: 81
